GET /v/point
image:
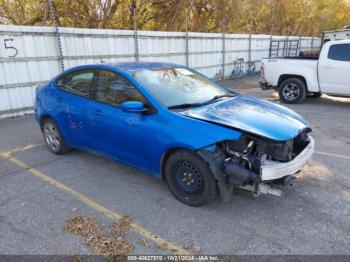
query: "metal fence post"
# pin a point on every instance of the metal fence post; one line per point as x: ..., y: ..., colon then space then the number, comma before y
x: 250, y: 48
x: 223, y: 55
x: 187, y: 43
x: 136, y: 37
x: 57, y: 35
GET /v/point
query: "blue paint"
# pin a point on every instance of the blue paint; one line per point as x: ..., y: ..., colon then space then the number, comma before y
x: 252, y: 115
x: 141, y: 139
x: 133, y: 107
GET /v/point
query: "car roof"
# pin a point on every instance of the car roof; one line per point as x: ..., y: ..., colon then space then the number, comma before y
x: 137, y: 66
x: 124, y: 66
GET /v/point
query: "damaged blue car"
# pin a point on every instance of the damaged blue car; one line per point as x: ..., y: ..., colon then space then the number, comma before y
x: 175, y: 124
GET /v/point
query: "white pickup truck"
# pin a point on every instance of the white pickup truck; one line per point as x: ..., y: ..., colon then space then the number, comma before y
x: 297, y: 77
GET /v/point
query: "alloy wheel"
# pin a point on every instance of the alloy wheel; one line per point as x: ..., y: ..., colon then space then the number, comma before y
x: 291, y: 91
x: 52, y: 136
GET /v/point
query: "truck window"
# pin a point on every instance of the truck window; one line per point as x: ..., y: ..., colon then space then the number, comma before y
x: 339, y: 52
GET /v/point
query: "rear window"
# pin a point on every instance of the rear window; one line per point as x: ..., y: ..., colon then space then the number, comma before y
x: 339, y: 52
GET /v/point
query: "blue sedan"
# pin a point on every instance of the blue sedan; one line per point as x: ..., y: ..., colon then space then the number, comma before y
x: 177, y: 125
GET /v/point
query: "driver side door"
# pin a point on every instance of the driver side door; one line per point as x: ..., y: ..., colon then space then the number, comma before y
x: 123, y: 136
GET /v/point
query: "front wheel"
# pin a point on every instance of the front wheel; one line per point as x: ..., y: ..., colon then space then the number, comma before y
x: 292, y: 91
x: 189, y: 178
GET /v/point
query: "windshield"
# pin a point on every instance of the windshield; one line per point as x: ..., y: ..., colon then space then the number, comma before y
x: 179, y: 86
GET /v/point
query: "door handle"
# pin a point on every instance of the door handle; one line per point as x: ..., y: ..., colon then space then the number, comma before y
x: 98, y: 112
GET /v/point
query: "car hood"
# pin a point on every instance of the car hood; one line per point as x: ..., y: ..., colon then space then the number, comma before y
x: 252, y: 115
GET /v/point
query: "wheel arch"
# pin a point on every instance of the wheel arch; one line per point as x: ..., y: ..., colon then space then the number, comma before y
x: 166, y: 156
x: 48, y: 116
x: 284, y: 77
x: 43, y: 118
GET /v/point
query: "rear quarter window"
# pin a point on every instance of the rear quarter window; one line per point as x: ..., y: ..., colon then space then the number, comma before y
x: 78, y: 83
x: 340, y: 52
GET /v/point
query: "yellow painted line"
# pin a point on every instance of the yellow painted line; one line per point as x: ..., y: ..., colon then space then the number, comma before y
x: 333, y: 155
x: 20, y: 149
x: 93, y: 204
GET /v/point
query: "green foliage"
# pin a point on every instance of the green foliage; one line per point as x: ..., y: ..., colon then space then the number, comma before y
x: 285, y: 17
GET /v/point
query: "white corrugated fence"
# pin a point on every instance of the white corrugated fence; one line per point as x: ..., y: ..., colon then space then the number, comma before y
x: 31, y: 55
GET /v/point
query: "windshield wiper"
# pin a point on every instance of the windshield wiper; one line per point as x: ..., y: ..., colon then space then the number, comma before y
x: 218, y: 97
x: 188, y: 105
x: 185, y: 105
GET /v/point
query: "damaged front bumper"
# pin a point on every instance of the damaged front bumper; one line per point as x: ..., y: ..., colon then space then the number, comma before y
x: 230, y: 175
x: 272, y: 170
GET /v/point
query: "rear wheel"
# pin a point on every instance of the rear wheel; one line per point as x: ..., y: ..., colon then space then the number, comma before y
x: 53, y: 137
x: 292, y: 91
x: 189, y: 178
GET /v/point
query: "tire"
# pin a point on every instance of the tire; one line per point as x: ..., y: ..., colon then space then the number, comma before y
x: 53, y: 137
x: 190, y: 179
x: 292, y: 91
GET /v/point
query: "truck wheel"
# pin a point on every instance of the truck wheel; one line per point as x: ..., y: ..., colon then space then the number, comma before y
x: 53, y: 137
x: 292, y: 91
x: 189, y: 178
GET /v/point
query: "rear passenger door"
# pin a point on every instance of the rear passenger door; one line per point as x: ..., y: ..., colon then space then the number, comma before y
x: 334, y: 70
x: 122, y: 135
x: 73, y: 96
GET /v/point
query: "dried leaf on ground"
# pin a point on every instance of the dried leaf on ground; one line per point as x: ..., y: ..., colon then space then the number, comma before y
x: 144, y: 242
x: 83, y: 226
x: 122, y: 227
x: 163, y: 246
x: 108, y: 245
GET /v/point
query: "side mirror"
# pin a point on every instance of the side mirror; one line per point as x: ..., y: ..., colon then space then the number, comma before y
x: 133, y: 107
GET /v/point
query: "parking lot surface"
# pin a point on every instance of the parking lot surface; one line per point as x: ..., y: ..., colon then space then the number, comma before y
x: 39, y: 191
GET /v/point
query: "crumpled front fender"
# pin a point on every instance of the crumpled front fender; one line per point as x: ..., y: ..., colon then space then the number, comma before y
x: 214, y: 158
